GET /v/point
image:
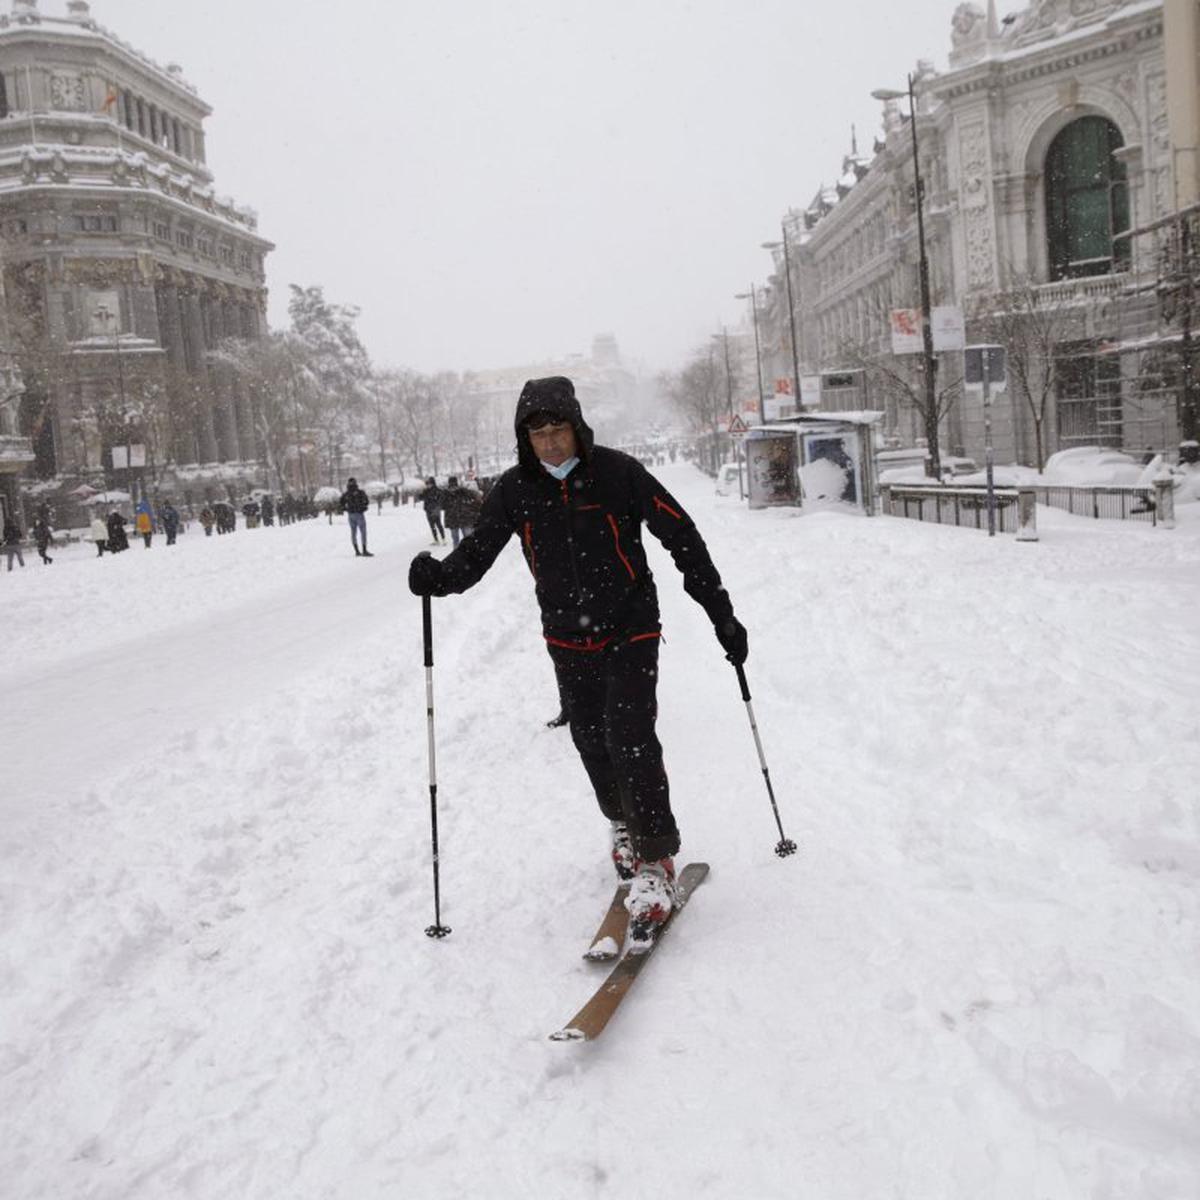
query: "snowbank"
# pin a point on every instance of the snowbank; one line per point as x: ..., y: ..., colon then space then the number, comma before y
x: 977, y: 979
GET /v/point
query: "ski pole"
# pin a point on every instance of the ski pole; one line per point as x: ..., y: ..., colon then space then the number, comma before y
x: 437, y: 929
x: 786, y: 845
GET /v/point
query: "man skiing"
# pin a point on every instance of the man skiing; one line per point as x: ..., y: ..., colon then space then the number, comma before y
x: 354, y: 504
x: 578, y: 510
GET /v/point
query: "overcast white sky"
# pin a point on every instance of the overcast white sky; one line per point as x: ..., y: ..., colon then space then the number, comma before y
x: 493, y: 183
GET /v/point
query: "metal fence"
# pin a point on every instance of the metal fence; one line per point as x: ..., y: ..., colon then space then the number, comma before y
x: 1104, y: 503
x: 952, y: 506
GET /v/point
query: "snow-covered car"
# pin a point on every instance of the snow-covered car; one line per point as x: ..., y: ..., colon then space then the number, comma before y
x: 1095, y: 465
x: 727, y: 479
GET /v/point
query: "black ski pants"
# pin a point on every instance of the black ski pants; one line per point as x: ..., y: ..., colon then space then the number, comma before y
x: 609, y: 696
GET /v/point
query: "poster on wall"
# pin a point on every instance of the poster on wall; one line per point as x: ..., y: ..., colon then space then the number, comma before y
x: 771, y: 461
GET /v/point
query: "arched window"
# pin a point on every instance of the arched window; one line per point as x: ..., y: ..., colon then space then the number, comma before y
x: 1087, y: 201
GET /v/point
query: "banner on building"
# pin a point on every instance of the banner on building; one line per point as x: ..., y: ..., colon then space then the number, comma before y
x: 810, y: 391
x: 906, y: 331
x: 949, y: 330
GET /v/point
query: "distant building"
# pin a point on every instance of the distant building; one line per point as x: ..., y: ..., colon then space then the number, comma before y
x: 122, y: 265
x: 1043, y: 149
x: 606, y: 389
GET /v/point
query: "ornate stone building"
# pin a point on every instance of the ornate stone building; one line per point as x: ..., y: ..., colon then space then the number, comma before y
x: 122, y: 265
x: 1043, y: 151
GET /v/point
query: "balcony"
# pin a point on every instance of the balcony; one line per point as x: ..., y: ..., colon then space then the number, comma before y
x: 1087, y: 289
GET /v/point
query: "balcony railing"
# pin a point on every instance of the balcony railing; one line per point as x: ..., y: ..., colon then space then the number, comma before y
x: 1084, y: 290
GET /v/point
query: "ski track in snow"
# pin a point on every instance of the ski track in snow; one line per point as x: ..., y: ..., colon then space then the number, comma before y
x: 978, y: 977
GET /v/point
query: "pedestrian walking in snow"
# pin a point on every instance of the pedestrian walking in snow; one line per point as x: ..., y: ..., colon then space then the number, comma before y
x: 462, y: 507
x: 117, y: 538
x: 432, y: 500
x: 208, y: 520
x: 578, y: 510
x: 354, y: 502
x: 143, y: 522
x: 12, y: 543
x: 99, y: 534
x: 168, y: 517
x: 40, y: 532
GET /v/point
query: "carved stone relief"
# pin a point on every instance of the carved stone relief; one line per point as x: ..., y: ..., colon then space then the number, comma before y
x: 974, y: 189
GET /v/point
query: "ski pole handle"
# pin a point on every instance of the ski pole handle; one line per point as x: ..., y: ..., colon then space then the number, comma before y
x: 741, y: 674
x: 427, y: 621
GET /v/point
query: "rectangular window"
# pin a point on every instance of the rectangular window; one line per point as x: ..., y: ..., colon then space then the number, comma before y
x: 95, y: 223
x: 162, y: 231
x: 1087, y: 389
x: 183, y: 240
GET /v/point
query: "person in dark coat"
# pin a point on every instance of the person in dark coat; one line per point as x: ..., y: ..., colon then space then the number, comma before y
x: 354, y: 503
x: 12, y: 542
x: 208, y: 520
x: 268, y: 511
x: 117, y: 538
x: 462, y: 509
x: 432, y: 500
x: 168, y: 518
x: 40, y: 532
x: 578, y: 510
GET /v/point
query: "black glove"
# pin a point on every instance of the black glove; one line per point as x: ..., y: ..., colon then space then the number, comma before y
x: 731, y: 633
x: 425, y: 576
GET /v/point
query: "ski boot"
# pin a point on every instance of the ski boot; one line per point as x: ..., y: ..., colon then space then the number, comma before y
x: 651, y: 898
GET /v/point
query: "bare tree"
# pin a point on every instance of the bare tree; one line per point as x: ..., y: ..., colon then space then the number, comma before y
x: 900, y: 378
x: 1031, y: 326
x: 700, y: 394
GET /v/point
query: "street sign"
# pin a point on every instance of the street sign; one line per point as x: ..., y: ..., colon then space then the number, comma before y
x: 984, y: 364
x: 737, y: 425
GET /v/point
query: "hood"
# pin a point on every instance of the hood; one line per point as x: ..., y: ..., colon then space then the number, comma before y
x: 554, y: 394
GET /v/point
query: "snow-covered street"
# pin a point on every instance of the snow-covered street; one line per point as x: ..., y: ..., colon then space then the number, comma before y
x: 979, y: 977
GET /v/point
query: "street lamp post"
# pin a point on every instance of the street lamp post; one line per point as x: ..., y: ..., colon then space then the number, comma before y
x: 787, y: 268
x: 929, y: 361
x: 733, y: 437
x: 750, y: 295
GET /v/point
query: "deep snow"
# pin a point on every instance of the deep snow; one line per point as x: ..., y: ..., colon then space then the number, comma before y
x: 977, y: 979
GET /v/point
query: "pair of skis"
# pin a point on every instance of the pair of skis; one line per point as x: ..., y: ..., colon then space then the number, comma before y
x: 589, y: 1022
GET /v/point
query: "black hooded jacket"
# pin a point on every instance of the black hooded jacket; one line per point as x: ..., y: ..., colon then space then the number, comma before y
x: 582, y: 536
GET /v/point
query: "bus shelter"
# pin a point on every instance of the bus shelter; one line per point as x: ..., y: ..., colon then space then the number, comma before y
x: 814, y: 460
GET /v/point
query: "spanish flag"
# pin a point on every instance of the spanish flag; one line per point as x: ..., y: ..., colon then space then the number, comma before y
x: 110, y: 99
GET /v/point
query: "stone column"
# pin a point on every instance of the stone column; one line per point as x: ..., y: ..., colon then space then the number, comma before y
x: 1027, y: 515
x: 247, y: 433
x: 193, y: 332
x: 1164, y: 500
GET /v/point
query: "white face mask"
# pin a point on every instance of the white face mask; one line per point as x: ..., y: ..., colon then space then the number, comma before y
x: 563, y: 469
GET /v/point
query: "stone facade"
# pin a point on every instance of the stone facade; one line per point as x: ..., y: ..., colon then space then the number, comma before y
x: 988, y: 132
x: 122, y: 265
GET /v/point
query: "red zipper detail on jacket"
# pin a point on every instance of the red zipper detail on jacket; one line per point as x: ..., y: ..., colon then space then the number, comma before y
x: 529, y: 547
x: 586, y: 644
x: 665, y: 507
x: 617, y: 542
x: 642, y: 637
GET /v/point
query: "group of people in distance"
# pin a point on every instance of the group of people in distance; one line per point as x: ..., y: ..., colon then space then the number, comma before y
x: 454, y: 507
